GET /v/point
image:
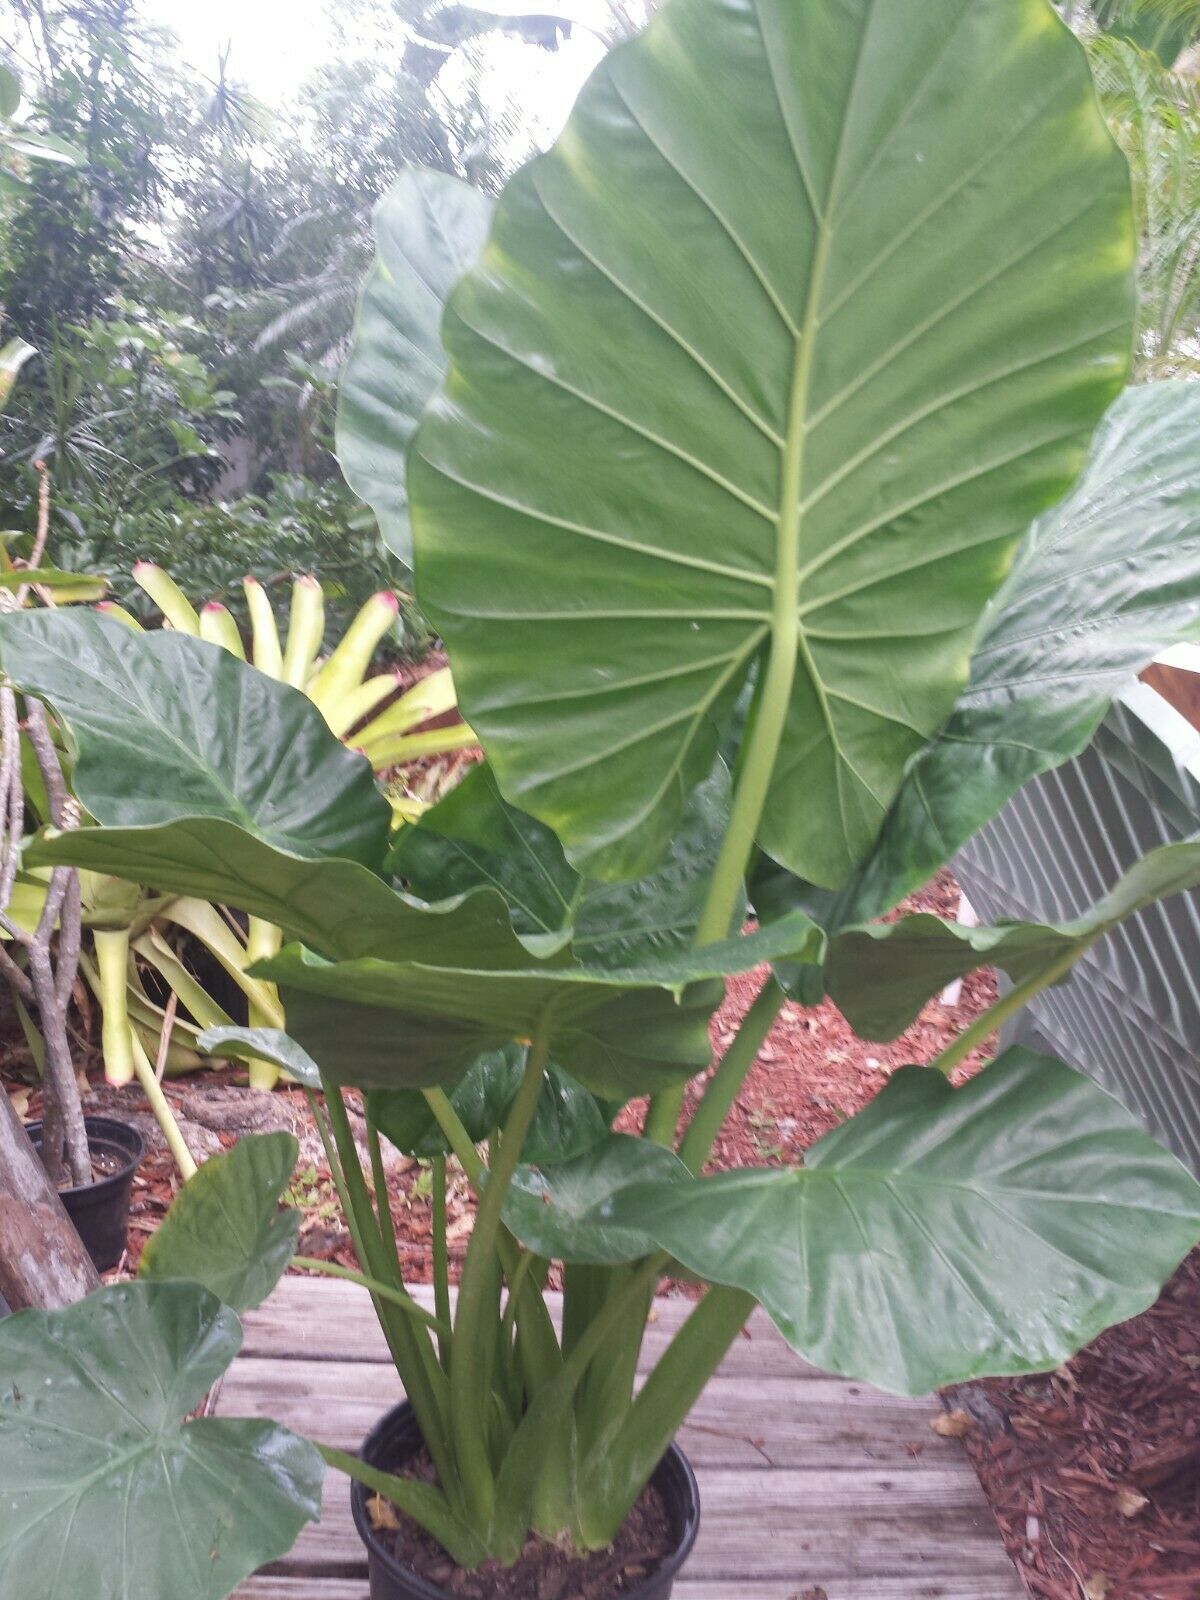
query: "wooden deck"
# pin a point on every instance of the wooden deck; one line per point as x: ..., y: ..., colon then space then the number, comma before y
x: 805, y: 1481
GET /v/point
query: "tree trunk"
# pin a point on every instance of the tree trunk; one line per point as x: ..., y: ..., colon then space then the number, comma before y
x: 42, y: 1259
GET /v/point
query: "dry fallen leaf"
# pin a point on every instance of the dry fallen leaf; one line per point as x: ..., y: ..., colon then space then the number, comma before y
x: 19, y: 1100
x: 1129, y: 1502
x: 382, y: 1513
x: 1097, y: 1586
x: 952, y: 1424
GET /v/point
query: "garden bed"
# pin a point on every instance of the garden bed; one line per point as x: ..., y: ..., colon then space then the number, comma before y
x: 1058, y: 1456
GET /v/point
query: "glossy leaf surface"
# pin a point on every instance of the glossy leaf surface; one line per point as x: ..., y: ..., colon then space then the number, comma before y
x: 567, y: 1120
x: 806, y: 316
x: 215, y: 781
x: 474, y: 839
x: 1107, y: 581
x: 562, y: 1211
x: 335, y: 907
x: 106, y: 1489
x: 882, y: 974
x: 161, y: 721
x: 263, y: 1044
x: 619, y: 1032
x: 225, y: 1229
x: 429, y: 228
x: 943, y: 1234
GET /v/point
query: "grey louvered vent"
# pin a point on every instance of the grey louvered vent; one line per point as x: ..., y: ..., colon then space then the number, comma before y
x: 1130, y: 1014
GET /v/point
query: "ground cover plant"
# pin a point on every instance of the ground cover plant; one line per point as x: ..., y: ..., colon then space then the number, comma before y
x: 782, y: 513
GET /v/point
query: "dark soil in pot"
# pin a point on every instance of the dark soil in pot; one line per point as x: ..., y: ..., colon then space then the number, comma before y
x: 404, y: 1563
x: 100, y: 1209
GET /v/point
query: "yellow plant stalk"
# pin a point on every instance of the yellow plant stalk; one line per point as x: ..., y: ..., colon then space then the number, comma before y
x: 110, y: 608
x: 116, y: 1034
x: 348, y: 665
x: 264, y: 635
x: 208, y: 925
x: 359, y: 703
x: 218, y: 627
x: 390, y: 749
x: 161, y: 1108
x: 167, y: 596
x: 306, y: 631
x: 263, y: 939
x: 155, y: 950
x: 431, y: 697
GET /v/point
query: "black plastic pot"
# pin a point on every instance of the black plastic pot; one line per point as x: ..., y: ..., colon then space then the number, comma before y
x: 396, y: 1436
x: 100, y: 1210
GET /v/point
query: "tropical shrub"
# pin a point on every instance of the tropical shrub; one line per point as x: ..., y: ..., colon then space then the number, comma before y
x: 757, y: 511
x: 134, y: 935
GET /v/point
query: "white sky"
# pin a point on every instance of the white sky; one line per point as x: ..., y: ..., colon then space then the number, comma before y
x: 277, y: 43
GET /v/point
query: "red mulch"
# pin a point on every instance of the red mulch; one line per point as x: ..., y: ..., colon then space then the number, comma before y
x: 1054, y: 1453
x: 1093, y: 1471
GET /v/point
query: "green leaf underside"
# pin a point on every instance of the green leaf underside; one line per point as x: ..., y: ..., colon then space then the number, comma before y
x: 636, y: 1043
x: 943, y: 1234
x: 803, y: 319
x: 429, y: 228
x: 263, y: 1044
x: 566, y: 1121
x: 882, y: 974
x: 225, y: 1229
x: 165, y: 724
x: 338, y: 908
x: 619, y: 1031
x: 1107, y: 580
x: 474, y: 839
x: 558, y: 1212
x: 105, y: 1489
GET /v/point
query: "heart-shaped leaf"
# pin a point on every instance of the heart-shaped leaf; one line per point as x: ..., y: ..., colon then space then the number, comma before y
x: 336, y: 907
x: 620, y: 1032
x: 563, y: 1211
x: 566, y: 1121
x: 225, y: 1229
x: 164, y: 725
x: 944, y: 1234
x: 263, y: 1044
x: 474, y: 839
x: 807, y: 314
x: 429, y: 228
x: 1106, y: 581
x: 160, y: 720
x: 882, y: 974
x: 106, y: 1489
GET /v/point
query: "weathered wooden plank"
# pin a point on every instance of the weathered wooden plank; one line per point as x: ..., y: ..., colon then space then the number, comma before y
x: 931, y: 1588
x: 319, y: 1319
x: 775, y: 1525
x: 743, y: 1421
x: 816, y: 1483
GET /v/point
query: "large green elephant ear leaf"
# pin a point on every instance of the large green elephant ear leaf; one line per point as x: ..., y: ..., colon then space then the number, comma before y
x: 1106, y: 581
x: 429, y: 228
x: 619, y: 1031
x: 943, y: 1234
x: 566, y: 1121
x: 159, y: 719
x: 473, y: 838
x: 881, y: 974
x: 211, y: 779
x: 560, y: 1210
x: 225, y: 1229
x: 774, y: 356
x: 106, y: 1489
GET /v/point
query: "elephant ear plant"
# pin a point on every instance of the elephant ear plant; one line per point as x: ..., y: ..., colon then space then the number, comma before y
x: 767, y: 375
